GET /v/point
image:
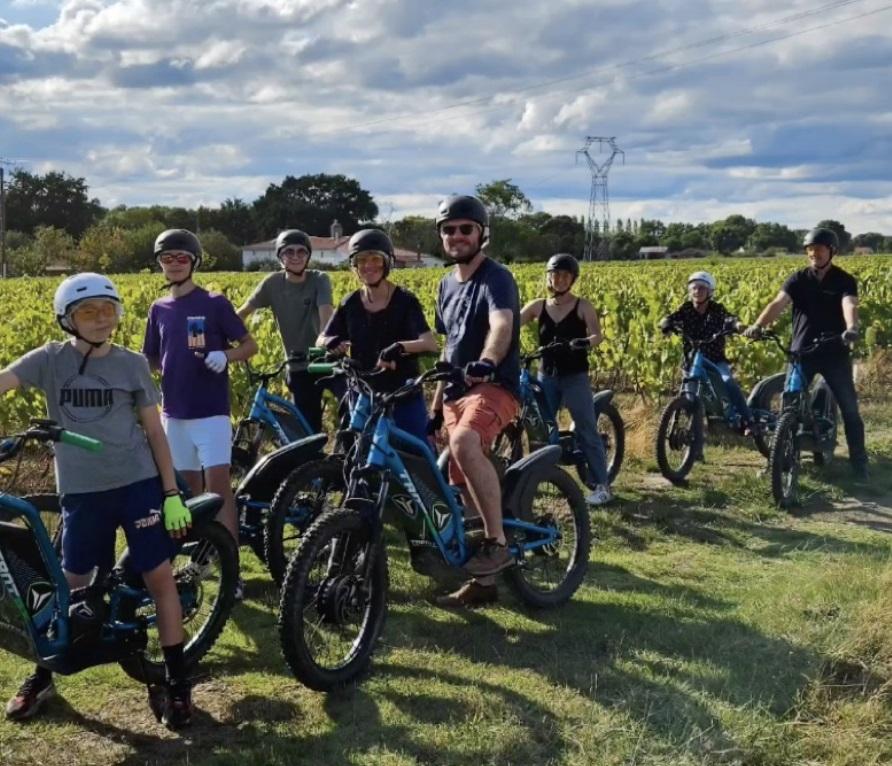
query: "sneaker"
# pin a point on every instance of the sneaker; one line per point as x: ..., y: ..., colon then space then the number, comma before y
x: 240, y: 590
x: 35, y: 690
x: 178, y: 711
x: 491, y: 558
x: 600, y: 495
x: 471, y: 594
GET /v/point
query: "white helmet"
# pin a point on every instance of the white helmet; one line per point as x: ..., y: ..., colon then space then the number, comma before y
x: 706, y: 278
x: 82, y: 287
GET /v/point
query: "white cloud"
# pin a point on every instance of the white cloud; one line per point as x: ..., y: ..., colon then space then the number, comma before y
x: 248, y: 90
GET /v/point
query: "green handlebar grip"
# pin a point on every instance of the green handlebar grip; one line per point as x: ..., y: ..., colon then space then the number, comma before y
x: 314, y: 351
x: 320, y: 368
x: 79, y: 440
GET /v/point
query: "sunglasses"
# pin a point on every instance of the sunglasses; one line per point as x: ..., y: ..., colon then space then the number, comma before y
x: 293, y: 252
x: 466, y: 229
x: 170, y: 258
x: 92, y: 312
x: 368, y: 259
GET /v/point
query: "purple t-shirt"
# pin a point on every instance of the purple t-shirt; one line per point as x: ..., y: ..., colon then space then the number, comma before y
x: 177, y: 330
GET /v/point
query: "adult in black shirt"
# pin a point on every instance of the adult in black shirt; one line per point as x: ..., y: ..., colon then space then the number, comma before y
x: 382, y: 325
x: 825, y: 300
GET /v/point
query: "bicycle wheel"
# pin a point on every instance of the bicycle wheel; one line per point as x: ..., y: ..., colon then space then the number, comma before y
x: 308, y: 490
x: 769, y: 400
x: 550, y: 575
x: 785, y: 462
x: 826, y: 424
x: 334, y: 601
x: 206, y: 571
x: 612, y: 432
x: 679, y: 438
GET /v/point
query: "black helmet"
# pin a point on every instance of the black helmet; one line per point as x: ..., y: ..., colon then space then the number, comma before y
x: 179, y: 239
x: 563, y: 262
x: 293, y: 237
x: 462, y: 206
x: 375, y: 240
x: 822, y: 236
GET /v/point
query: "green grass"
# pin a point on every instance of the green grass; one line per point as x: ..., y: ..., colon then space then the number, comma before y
x: 711, y: 629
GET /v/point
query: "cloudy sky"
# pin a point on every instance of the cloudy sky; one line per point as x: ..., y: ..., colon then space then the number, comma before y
x: 779, y: 111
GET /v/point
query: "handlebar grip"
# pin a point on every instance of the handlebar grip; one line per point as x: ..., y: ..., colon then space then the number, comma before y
x: 316, y: 351
x: 79, y: 440
x: 320, y: 368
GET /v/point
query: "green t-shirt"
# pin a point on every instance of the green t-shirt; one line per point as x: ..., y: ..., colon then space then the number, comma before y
x: 295, y: 306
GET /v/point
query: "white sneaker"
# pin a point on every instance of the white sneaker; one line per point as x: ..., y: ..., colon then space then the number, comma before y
x: 600, y: 495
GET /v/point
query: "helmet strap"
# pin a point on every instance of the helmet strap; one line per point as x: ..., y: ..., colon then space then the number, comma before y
x: 296, y: 273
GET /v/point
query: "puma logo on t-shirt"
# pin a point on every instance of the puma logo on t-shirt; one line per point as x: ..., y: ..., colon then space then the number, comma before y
x: 83, y: 402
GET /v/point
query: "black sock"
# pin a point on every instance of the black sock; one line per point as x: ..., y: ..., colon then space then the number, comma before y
x: 173, y: 661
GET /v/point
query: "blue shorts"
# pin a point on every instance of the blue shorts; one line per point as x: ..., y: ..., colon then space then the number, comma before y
x: 91, y: 519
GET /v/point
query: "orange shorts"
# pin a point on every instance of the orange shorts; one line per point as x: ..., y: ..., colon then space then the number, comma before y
x: 486, y: 409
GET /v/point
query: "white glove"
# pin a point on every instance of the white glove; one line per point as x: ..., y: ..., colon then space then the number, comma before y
x: 216, y: 361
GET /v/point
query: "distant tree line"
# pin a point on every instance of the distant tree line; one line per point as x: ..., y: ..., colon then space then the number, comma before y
x: 53, y: 222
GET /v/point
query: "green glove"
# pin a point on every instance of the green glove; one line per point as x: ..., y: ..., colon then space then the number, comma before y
x: 177, y: 517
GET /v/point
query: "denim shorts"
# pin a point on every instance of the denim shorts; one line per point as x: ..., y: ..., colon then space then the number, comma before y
x: 91, y: 519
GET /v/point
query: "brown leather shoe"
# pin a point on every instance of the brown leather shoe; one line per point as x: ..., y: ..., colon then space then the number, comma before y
x: 491, y: 558
x: 471, y: 594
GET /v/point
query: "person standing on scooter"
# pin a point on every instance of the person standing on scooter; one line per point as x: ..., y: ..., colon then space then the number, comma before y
x: 824, y: 300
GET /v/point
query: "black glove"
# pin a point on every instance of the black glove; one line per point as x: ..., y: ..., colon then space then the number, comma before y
x: 482, y: 368
x: 730, y: 324
x: 666, y: 326
x: 435, y: 423
x: 850, y: 335
x: 333, y: 343
x: 580, y: 344
x: 393, y: 352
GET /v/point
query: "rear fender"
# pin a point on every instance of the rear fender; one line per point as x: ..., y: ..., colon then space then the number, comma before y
x: 261, y: 482
x: 526, y: 470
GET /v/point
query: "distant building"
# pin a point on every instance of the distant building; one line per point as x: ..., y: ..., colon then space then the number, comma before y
x: 653, y: 251
x: 332, y: 251
x: 863, y: 250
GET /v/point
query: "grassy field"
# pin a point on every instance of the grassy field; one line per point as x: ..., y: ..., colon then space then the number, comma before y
x: 711, y: 629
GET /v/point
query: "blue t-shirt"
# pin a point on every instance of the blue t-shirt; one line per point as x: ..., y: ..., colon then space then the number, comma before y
x: 177, y: 331
x: 463, y: 310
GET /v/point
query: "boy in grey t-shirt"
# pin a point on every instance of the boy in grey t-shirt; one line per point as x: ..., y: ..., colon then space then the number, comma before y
x: 106, y: 392
x: 301, y: 302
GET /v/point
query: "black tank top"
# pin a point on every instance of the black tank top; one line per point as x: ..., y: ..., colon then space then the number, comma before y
x: 564, y: 362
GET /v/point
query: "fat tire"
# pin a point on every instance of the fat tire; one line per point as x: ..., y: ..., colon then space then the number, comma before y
x: 680, y: 403
x: 563, y: 592
x: 298, y: 656
x: 331, y: 472
x: 152, y: 671
x: 787, y: 428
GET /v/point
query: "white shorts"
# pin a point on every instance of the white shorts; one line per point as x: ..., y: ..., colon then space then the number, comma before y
x: 199, y: 443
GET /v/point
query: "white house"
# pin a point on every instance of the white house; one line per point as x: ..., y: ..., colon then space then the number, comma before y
x: 332, y: 250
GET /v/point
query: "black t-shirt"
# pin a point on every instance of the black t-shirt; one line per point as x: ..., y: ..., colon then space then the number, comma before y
x: 699, y: 326
x: 370, y: 333
x: 817, y: 305
x: 463, y: 310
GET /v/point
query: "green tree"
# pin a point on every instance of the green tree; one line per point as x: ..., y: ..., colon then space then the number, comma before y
x: 219, y: 253
x: 50, y: 245
x: 234, y: 218
x: 731, y: 233
x: 312, y: 202
x: 54, y: 200
x: 415, y: 232
x: 767, y: 236
x: 504, y: 199
x: 871, y: 239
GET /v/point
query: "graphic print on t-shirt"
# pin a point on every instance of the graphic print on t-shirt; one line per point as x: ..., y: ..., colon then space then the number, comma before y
x: 195, y: 327
x: 86, y: 398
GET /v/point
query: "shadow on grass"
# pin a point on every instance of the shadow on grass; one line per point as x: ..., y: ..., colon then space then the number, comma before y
x: 655, y: 665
